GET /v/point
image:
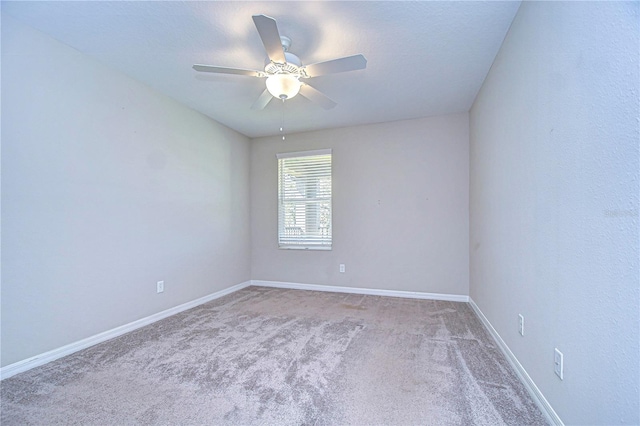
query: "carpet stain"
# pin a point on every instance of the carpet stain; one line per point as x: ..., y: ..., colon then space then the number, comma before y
x: 357, y: 308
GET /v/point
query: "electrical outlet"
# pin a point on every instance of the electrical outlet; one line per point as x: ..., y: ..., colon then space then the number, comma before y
x: 342, y: 268
x: 160, y: 286
x: 558, y: 364
x: 521, y: 324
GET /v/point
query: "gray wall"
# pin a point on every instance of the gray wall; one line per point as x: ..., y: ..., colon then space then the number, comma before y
x: 400, y: 207
x: 554, y: 203
x: 107, y: 187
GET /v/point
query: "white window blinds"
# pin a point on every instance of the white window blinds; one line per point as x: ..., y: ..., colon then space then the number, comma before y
x: 304, y: 200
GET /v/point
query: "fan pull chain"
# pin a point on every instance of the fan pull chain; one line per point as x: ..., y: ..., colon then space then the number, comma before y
x: 282, y: 120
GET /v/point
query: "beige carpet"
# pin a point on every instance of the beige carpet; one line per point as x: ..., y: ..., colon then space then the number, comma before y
x: 283, y: 357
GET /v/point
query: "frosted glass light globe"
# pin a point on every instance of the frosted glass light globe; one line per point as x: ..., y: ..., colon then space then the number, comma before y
x: 283, y: 86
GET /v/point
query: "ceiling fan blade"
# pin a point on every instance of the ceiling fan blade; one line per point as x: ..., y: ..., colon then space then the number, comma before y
x: 263, y: 100
x: 225, y: 70
x: 349, y: 63
x: 268, y: 30
x: 316, y: 96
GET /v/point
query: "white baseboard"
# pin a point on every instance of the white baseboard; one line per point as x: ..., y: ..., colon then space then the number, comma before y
x: 357, y: 290
x: 38, y: 360
x: 533, y: 390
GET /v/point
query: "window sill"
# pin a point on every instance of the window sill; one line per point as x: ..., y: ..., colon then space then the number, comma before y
x: 308, y: 248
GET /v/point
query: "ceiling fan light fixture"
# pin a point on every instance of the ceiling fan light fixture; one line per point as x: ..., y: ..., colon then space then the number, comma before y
x: 283, y: 69
x: 283, y: 86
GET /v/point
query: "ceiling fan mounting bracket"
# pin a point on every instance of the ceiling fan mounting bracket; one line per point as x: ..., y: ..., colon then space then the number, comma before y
x: 286, y: 43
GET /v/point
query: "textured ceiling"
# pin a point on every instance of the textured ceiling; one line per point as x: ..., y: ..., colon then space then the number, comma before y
x: 424, y: 58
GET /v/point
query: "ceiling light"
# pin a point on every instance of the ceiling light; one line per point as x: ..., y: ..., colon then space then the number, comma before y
x: 283, y: 86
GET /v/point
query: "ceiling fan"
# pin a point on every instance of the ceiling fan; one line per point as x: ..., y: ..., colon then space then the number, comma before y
x: 284, y: 71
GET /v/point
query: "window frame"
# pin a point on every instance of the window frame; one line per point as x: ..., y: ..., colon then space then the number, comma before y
x: 318, y: 240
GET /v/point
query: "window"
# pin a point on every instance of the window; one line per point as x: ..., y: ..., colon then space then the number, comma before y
x: 304, y: 200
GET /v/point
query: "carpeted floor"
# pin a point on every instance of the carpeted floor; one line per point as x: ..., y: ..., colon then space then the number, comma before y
x: 273, y: 356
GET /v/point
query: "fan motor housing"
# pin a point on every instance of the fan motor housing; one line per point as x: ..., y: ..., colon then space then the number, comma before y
x: 292, y: 64
x: 286, y: 68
